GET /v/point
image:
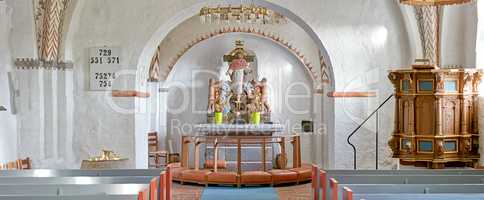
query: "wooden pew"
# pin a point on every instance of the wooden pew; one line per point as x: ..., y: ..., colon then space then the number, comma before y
x: 76, y: 184
x: 418, y: 196
x: 74, y: 180
x: 406, y: 172
x: 414, y: 188
x: 410, y: 191
x: 410, y: 179
x: 68, y: 197
x: 339, y: 188
x: 42, y: 190
x: 75, y: 173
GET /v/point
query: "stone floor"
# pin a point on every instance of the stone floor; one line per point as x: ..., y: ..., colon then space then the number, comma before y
x: 186, y: 192
x: 292, y: 192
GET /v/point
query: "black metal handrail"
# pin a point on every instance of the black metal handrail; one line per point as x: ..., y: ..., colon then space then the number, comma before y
x: 376, y: 128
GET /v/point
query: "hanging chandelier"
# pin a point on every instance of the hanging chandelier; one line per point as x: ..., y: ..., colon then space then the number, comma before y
x: 240, y: 14
x: 433, y: 2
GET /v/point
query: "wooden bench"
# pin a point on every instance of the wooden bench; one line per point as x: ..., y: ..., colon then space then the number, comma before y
x: 405, y: 172
x: 339, y: 184
x: 410, y: 179
x: 460, y: 196
x: 74, y: 180
x: 404, y: 191
x: 72, y: 189
x: 68, y: 197
x: 75, y: 173
x: 44, y: 185
x: 413, y: 188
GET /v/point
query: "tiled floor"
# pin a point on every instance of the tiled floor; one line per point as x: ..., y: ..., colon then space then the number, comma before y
x: 192, y: 192
x: 186, y: 192
x: 297, y: 192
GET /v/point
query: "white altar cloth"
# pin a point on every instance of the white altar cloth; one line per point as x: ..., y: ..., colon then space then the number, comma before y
x: 239, y: 128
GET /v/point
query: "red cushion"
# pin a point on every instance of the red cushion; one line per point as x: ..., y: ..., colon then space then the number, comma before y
x: 255, y: 177
x: 222, y: 177
x: 195, y: 176
x: 283, y: 176
x: 304, y: 174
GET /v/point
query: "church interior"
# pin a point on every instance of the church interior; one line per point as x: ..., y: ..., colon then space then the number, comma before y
x: 241, y: 99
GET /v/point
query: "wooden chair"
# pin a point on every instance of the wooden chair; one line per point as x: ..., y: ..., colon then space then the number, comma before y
x: 12, y: 165
x: 24, y: 164
x: 154, y: 152
x: 20, y: 164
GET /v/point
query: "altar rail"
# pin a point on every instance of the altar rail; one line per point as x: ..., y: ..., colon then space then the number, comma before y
x: 397, y: 185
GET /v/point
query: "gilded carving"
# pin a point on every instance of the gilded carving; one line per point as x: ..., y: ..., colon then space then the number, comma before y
x: 439, y: 148
x: 214, y: 102
x: 394, y: 145
x: 476, y: 81
x: 466, y: 146
x: 468, y: 81
x: 408, y: 77
x: 439, y: 79
x: 394, y: 79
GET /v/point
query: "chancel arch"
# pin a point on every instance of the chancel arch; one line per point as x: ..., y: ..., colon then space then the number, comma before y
x: 170, y: 53
x: 165, y: 70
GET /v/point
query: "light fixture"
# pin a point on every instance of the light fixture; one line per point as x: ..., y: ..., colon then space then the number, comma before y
x: 2, y: 108
x: 433, y: 2
x: 240, y: 14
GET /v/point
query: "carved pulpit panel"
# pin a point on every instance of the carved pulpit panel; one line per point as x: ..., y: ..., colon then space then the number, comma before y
x: 436, y: 121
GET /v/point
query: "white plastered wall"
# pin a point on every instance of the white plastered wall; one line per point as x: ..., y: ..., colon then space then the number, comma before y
x: 363, y: 40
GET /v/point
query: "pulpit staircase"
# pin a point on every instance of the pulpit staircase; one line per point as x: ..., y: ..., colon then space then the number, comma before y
x: 374, y: 113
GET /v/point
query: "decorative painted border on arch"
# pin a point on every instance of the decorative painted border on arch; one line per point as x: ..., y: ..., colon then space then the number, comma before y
x: 250, y: 30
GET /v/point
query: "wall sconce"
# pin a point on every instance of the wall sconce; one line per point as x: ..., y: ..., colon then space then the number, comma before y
x: 2, y: 108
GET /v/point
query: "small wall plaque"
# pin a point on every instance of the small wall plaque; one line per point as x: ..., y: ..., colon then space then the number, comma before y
x: 105, y: 63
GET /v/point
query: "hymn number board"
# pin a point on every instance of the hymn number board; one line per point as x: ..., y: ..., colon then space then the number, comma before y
x: 105, y: 63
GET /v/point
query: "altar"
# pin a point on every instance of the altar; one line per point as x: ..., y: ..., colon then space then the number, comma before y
x: 238, y: 129
x: 240, y: 144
